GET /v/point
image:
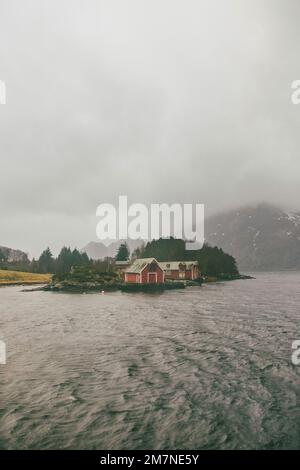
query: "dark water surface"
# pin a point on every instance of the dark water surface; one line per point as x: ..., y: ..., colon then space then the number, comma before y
x: 202, y: 368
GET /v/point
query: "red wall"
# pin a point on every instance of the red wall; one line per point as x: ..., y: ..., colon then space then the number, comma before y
x: 130, y: 277
x: 158, y: 270
x: 174, y: 274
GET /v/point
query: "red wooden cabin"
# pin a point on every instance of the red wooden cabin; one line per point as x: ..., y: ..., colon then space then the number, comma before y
x: 145, y: 271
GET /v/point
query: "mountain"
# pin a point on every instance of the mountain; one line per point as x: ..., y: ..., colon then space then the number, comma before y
x: 13, y: 256
x: 97, y: 250
x: 261, y: 238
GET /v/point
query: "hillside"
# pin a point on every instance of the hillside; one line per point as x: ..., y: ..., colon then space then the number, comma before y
x: 261, y: 238
x: 13, y: 256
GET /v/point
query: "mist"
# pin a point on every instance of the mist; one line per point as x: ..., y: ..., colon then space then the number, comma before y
x: 167, y: 101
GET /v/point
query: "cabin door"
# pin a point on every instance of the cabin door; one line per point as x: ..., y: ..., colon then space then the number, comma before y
x: 152, y: 278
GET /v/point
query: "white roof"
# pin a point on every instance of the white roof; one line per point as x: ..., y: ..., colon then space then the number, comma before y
x: 174, y: 265
x: 139, y: 264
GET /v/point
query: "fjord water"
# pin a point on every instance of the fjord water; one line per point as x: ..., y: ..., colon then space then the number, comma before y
x: 202, y: 368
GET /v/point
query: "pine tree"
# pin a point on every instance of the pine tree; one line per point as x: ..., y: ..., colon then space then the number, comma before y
x: 123, y: 252
x: 46, y: 262
x: 64, y: 260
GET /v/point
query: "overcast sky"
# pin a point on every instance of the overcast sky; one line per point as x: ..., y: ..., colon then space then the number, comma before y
x: 161, y: 100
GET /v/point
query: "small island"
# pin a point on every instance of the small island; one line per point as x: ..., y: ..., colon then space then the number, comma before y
x: 152, y: 268
x: 160, y: 265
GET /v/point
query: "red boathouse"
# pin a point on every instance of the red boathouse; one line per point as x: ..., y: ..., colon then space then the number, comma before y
x: 145, y: 271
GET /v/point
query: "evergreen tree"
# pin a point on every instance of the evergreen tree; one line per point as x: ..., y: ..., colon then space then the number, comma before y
x: 76, y: 258
x: 165, y: 249
x: 64, y: 260
x: 46, y: 262
x: 68, y: 259
x: 123, y: 252
x: 85, y: 260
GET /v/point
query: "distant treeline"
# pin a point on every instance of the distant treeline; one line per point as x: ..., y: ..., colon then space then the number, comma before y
x: 47, y: 263
x: 212, y: 260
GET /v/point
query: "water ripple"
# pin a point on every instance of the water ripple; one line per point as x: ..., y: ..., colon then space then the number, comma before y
x: 201, y: 368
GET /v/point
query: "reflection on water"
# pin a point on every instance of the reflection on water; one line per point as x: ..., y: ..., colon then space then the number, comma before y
x: 201, y: 368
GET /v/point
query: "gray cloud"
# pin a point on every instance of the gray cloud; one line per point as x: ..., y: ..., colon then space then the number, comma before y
x: 163, y: 101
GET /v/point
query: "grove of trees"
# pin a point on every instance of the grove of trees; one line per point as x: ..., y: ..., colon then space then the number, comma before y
x: 63, y: 263
x: 46, y: 263
x: 213, y: 261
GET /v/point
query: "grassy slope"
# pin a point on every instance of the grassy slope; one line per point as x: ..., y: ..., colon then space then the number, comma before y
x: 18, y: 277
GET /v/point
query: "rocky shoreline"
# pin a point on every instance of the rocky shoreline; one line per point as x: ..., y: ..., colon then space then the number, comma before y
x: 22, y: 283
x: 221, y: 278
x: 71, y: 286
x: 114, y: 284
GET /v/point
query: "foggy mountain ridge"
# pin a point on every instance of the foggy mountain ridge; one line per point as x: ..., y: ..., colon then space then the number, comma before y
x: 13, y: 256
x: 261, y: 238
